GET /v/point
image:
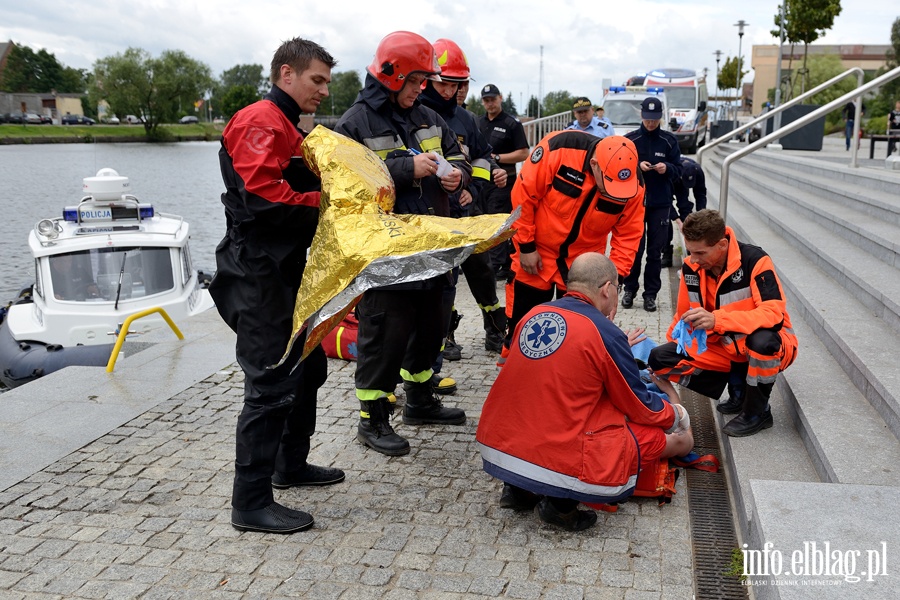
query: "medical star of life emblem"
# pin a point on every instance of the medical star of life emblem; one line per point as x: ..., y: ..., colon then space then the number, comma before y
x: 538, y: 154
x: 542, y: 335
x: 736, y: 278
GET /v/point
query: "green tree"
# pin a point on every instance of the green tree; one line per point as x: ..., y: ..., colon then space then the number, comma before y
x: 236, y: 98
x: 533, y: 105
x: 343, y: 89
x: 158, y: 89
x: 557, y: 102
x: 246, y: 77
x: 805, y: 21
x: 39, y: 72
x: 508, y: 105
x: 890, y: 92
x: 473, y: 103
x: 728, y: 74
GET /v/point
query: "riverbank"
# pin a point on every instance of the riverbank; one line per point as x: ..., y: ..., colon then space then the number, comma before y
x: 91, y: 134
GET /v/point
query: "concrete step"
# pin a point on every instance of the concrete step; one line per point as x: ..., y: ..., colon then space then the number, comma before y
x: 848, y: 300
x: 846, y: 439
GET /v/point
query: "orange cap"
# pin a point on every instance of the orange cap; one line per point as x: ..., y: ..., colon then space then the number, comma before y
x: 618, y: 161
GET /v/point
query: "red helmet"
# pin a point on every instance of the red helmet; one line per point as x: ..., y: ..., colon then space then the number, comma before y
x: 401, y: 54
x: 452, y: 60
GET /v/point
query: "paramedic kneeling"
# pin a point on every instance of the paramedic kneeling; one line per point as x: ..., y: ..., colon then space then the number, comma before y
x: 730, y: 290
x: 569, y: 417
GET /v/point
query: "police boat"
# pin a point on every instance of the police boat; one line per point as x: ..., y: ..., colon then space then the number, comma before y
x: 107, y: 258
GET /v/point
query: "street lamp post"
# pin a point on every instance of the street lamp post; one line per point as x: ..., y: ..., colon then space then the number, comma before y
x: 718, y: 54
x: 740, y: 25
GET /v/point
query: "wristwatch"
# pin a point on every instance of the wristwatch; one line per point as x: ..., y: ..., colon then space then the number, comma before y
x: 497, y: 158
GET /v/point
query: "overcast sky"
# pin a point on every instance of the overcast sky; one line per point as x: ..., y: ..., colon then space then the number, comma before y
x: 583, y: 42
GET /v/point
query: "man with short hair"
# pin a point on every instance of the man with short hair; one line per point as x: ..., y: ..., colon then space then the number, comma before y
x: 272, y: 209
x: 660, y: 162
x: 507, y: 138
x: 893, y: 126
x: 731, y: 291
x: 569, y: 417
x: 574, y: 191
x: 586, y: 121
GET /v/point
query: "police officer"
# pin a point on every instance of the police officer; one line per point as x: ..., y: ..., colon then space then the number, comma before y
x: 660, y: 162
x: 586, y: 121
x: 400, y: 325
x: 692, y: 178
x: 507, y: 137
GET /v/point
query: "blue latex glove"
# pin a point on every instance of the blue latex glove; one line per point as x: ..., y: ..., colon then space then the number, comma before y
x: 685, y: 335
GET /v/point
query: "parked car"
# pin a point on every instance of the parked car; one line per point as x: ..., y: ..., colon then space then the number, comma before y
x: 77, y: 120
x: 46, y: 119
x: 113, y: 120
x: 133, y: 120
x: 33, y: 118
x: 187, y: 119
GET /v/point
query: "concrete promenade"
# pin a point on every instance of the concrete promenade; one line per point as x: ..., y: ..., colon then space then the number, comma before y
x: 136, y: 505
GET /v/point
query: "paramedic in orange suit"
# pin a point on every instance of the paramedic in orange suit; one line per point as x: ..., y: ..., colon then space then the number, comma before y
x: 574, y: 190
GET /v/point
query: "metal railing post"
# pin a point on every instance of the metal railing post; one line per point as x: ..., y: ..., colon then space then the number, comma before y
x: 790, y: 127
x: 779, y: 109
x: 120, y: 339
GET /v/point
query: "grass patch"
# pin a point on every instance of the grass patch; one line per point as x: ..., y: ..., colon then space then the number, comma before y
x: 167, y: 132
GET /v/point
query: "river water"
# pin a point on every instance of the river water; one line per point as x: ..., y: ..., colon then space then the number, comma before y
x: 37, y: 181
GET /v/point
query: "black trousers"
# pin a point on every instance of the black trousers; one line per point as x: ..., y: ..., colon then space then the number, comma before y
x: 656, y: 220
x: 254, y: 294
x: 496, y: 201
x: 525, y: 298
x: 480, y: 276
x: 398, y: 329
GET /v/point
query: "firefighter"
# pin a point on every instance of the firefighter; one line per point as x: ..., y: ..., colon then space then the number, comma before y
x: 400, y: 325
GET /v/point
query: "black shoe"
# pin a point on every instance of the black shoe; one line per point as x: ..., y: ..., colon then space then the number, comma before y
x: 744, y: 425
x: 423, y: 407
x: 493, y: 341
x: 732, y: 406
x: 452, y: 351
x: 311, y: 475
x: 627, y: 299
x: 517, y: 498
x: 650, y: 304
x: 574, y: 520
x: 446, y: 386
x: 375, y: 431
x: 274, y: 518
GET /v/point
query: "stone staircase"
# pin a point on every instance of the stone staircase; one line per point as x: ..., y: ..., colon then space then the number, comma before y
x: 829, y: 468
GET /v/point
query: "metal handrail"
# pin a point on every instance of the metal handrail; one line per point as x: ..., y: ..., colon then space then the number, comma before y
x: 537, y: 129
x: 790, y: 127
x: 778, y: 109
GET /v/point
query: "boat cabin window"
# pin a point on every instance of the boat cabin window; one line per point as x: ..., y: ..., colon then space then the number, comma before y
x: 103, y: 274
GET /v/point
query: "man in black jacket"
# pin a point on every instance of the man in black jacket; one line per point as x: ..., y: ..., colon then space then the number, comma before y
x: 660, y: 161
x: 400, y: 325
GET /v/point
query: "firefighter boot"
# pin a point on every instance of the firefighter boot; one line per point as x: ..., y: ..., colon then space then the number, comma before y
x: 755, y: 414
x: 494, y: 329
x: 422, y: 406
x: 375, y: 429
x: 452, y: 351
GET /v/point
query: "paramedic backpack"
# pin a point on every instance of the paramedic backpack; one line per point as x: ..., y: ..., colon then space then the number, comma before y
x: 340, y: 342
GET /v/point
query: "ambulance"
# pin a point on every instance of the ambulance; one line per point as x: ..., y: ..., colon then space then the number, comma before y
x: 687, y: 99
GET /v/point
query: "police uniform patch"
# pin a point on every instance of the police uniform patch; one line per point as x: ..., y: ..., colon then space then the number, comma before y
x: 542, y: 335
x: 537, y: 154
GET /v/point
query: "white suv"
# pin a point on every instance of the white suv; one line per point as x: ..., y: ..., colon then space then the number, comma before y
x: 622, y: 106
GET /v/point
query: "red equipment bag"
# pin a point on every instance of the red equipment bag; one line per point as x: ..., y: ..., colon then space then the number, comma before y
x: 340, y: 342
